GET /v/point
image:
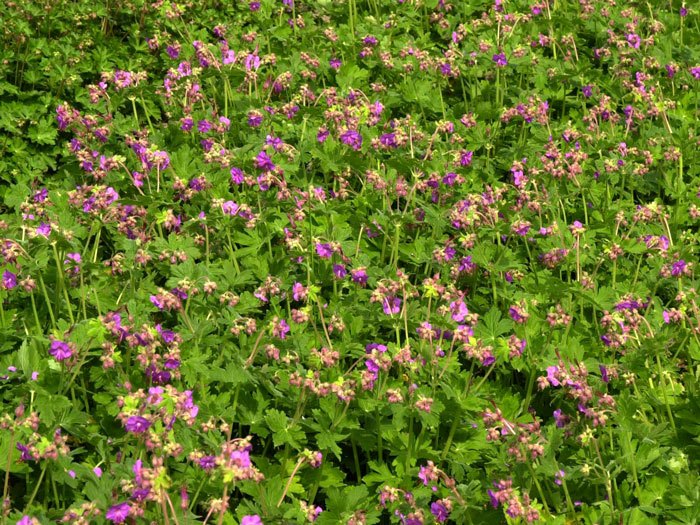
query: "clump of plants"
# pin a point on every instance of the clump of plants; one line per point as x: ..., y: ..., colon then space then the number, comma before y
x: 350, y: 262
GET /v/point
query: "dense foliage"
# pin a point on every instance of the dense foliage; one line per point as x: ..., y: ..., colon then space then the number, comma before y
x: 394, y: 261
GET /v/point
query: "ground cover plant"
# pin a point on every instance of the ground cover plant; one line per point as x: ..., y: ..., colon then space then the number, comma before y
x: 349, y: 262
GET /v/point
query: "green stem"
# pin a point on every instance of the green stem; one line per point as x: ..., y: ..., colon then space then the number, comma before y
x: 48, y: 301
x: 62, y: 283
x: 36, y: 487
x: 356, y: 458
x: 663, y: 387
x: 539, y: 487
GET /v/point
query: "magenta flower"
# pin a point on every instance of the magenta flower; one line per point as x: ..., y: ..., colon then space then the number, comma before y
x: 228, y: 57
x: 465, y: 158
x: 203, y: 126
x: 335, y: 63
x: 388, y: 140
x: 440, y: 512
x: 560, y: 419
x: 230, y: 208
x: 187, y: 124
x: 551, y: 375
x: 324, y: 250
x: 280, y: 329
x: 634, y: 40
x: 119, y: 512
x: 9, y: 280
x: 60, y: 350
x: 263, y: 162
x: 251, y: 520
x: 352, y: 138
x: 339, y: 271
x: 299, y: 292
x: 241, y: 458
x: 678, y: 268
x: 500, y: 60
x: 237, y: 176
x: 359, y: 276
x: 44, y: 229
x: 391, y: 305
x: 252, y: 61
x: 137, y: 424
x: 458, y: 310
x: 559, y: 476
x: 207, y: 462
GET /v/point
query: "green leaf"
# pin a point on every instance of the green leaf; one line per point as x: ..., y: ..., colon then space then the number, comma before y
x: 284, y: 432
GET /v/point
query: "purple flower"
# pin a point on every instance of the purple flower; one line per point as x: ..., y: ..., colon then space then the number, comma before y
x: 25, y: 454
x: 465, y: 158
x: 604, y: 373
x: 119, y: 512
x: 559, y: 476
x: 72, y: 258
x: 97, y: 471
x: 560, y: 419
x: 229, y: 57
x: 41, y: 195
x: 551, y: 375
x: 26, y: 520
x: 388, y: 140
x: 281, y: 329
x: 207, y: 462
x: 230, y: 208
x: 352, y: 138
x: 440, y: 512
x: 252, y: 61
x: 9, y: 280
x: 500, y: 60
x: 695, y: 71
x: 493, y: 498
x: 137, y: 424
x: 60, y: 350
x: 391, y: 305
x: 339, y: 271
x: 254, y: 120
x: 187, y: 124
x: 587, y: 91
x: 324, y: 250
x: 372, y: 367
x: 359, y: 276
x: 335, y: 63
x: 157, y: 302
x: 251, y: 520
x: 633, y: 40
x: 678, y: 268
x: 203, y: 126
x: 44, y: 229
x: 237, y: 176
x: 241, y: 458
x: 684, y: 11
x: 458, y: 310
x: 263, y: 162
